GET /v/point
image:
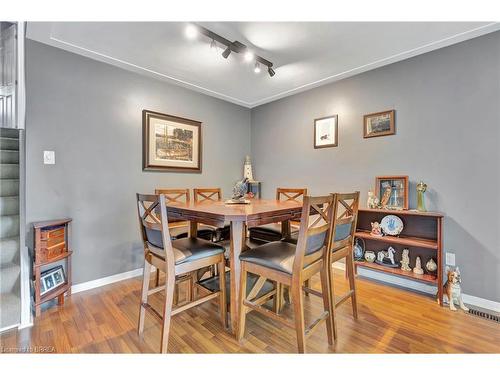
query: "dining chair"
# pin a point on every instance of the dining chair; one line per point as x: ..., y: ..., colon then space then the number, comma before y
x: 275, y: 231
x: 179, y: 228
x: 175, y: 258
x: 290, y: 265
x: 345, y: 216
x: 212, y: 194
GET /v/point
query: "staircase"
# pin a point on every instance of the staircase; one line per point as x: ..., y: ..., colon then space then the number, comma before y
x: 10, y: 302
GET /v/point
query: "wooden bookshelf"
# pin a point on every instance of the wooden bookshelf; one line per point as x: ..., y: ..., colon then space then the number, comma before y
x: 422, y: 235
x: 51, y: 246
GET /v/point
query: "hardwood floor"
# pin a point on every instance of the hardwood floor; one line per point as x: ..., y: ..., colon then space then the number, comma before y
x: 391, y: 320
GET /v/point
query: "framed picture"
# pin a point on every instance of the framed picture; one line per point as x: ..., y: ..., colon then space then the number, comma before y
x: 392, y: 192
x: 170, y: 143
x: 326, y: 132
x: 379, y: 124
x: 51, y: 279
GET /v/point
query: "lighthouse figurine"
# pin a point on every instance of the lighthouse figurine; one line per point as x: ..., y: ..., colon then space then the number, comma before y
x: 247, y: 169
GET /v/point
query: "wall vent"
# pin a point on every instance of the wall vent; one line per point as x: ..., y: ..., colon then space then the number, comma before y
x: 484, y: 315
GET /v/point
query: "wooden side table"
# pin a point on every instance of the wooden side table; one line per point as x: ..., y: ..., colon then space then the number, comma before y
x: 51, y: 246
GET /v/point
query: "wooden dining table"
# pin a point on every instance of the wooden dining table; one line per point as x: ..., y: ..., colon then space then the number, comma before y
x: 240, y: 217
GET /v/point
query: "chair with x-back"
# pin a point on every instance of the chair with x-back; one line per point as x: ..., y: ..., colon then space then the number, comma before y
x: 291, y: 264
x: 201, y: 195
x: 174, y: 257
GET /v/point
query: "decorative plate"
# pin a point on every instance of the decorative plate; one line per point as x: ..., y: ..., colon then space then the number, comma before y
x: 391, y: 225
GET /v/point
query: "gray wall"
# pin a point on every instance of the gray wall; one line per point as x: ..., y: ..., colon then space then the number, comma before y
x: 447, y: 121
x: 89, y: 113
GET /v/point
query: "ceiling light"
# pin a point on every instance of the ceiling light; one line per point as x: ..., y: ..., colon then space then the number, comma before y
x: 226, y: 52
x: 191, y: 31
x: 257, y: 68
x: 271, y: 71
x: 249, y: 56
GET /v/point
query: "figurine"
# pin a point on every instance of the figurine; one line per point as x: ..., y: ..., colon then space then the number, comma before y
x: 376, y: 229
x: 359, y: 250
x: 372, y: 201
x: 421, y: 188
x: 431, y: 265
x: 418, y: 267
x: 370, y: 256
x: 452, y: 289
x: 247, y: 169
x: 405, y: 261
x: 386, y: 256
x: 385, y: 198
x: 240, y: 189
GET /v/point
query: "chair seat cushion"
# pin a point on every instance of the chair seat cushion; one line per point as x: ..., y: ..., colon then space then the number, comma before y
x: 278, y: 255
x: 342, y: 232
x: 189, y: 249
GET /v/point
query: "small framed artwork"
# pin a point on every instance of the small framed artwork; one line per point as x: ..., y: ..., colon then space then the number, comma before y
x: 379, y: 124
x: 392, y: 192
x: 170, y: 143
x: 326, y: 132
x: 51, y: 279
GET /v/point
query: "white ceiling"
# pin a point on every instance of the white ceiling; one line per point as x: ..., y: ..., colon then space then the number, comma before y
x: 305, y: 54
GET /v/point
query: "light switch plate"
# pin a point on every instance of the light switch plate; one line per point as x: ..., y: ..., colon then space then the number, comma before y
x: 450, y: 259
x: 49, y: 157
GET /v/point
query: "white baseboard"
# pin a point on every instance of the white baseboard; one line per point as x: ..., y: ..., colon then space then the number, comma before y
x: 471, y: 300
x: 9, y: 327
x: 77, y: 288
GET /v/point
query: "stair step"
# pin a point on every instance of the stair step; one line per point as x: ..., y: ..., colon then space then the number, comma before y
x: 9, y: 143
x: 9, y: 250
x: 9, y: 156
x: 9, y: 277
x: 9, y: 206
x: 9, y: 187
x: 9, y: 133
x: 10, y: 311
x: 9, y: 226
x: 9, y: 171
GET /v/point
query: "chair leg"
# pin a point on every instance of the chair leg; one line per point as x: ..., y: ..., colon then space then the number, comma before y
x: 332, y: 298
x: 242, y: 309
x: 307, y: 285
x: 327, y: 303
x: 277, y: 298
x: 352, y: 283
x: 298, y: 312
x: 176, y: 295
x: 144, y: 295
x: 222, y: 288
x: 157, y: 278
x: 167, y: 312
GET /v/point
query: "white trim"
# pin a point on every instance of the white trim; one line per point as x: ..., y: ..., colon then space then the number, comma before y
x: 9, y: 327
x: 398, y: 281
x: 42, y: 32
x: 481, y: 302
x: 105, y: 281
x: 27, y: 325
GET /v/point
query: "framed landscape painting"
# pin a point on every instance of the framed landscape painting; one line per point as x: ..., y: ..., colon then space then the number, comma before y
x: 379, y: 124
x: 170, y: 143
x: 326, y: 132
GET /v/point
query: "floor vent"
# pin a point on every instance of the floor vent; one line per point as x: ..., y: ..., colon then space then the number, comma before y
x: 484, y: 315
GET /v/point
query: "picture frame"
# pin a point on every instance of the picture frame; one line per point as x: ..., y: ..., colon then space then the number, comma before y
x: 379, y: 124
x: 392, y: 192
x: 171, y: 143
x: 51, y: 279
x: 326, y: 132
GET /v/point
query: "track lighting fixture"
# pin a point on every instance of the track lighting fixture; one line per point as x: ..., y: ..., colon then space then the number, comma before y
x: 192, y: 31
x: 226, y: 52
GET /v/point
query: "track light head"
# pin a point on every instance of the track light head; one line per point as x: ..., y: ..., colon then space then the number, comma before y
x: 249, y: 56
x: 191, y: 31
x: 256, y: 69
x: 226, y: 52
x: 271, y: 71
